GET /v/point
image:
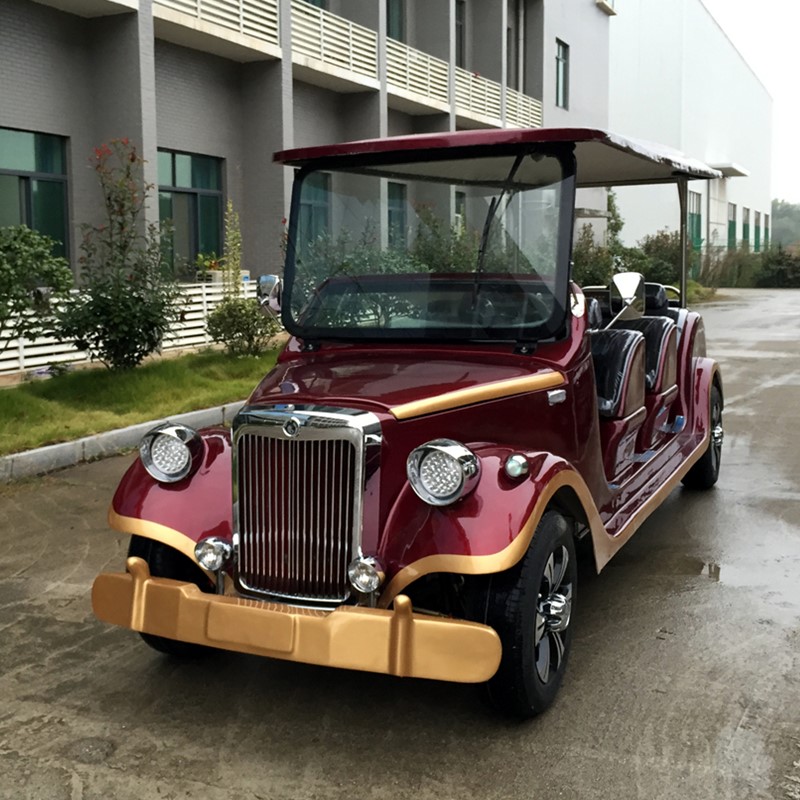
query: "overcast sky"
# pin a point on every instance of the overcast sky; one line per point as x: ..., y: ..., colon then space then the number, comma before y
x: 767, y: 34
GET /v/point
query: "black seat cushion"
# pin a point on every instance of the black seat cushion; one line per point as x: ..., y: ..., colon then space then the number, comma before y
x: 613, y: 352
x: 656, y: 332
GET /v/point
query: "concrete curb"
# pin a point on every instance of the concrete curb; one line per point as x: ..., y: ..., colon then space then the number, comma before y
x: 57, y: 456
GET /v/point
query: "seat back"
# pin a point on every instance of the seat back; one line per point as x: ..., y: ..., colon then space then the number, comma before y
x: 655, y: 299
x: 661, y: 350
x: 619, y: 368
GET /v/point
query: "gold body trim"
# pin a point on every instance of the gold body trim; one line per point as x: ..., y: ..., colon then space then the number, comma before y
x: 397, y: 642
x: 605, y: 545
x: 157, y: 532
x: 478, y: 394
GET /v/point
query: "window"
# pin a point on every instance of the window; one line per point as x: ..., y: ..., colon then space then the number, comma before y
x: 766, y: 231
x: 757, y: 232
x: 396, y: 19
x: 33, y: 184
x: 513, y: 54
x: 746, y: 227
x: 315, y: 207
x: 461, y: 33
x: 398, y: 222
x: 190, y: 196
x: 562, y: 74
x: 461, y: 212
x: 695, y: 220
x: 731, y: 226
x: 318, y: 3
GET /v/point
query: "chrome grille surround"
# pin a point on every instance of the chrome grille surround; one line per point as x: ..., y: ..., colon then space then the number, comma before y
x: 298, y: 486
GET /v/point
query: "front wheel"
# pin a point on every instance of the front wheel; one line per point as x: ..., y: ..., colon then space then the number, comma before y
x: 165, y: 562
x: 704, y: 473
x: 531, y: 607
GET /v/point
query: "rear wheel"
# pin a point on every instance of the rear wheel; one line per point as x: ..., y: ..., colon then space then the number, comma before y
x: 165, y: 562
x: 704, y: 473
x: 530, y: 607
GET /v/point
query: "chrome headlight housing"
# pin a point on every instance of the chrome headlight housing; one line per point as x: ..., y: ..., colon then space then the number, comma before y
x: 442, y: 471
x: 170, y: 451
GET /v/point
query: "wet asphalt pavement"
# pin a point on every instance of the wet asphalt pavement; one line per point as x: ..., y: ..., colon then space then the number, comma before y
x: 684, y: 679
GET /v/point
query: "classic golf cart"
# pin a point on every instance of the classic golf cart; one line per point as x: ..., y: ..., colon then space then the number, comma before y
x: 404, y: 491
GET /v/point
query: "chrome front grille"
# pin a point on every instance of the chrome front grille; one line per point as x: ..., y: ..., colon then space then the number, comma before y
x: 298, y: 501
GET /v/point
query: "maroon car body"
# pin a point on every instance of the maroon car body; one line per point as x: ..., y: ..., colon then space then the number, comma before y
x: 569, y: 429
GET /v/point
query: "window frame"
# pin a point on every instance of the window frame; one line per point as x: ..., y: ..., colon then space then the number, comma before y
x: 695, y: 219
x: 194, y: 193
x: 25, y: 190
x: 396, y: 9
x: 397, y: 206
x: 732, y: 226
x: 562, y: 75
x: 460, y: 21
x: 745, y: 226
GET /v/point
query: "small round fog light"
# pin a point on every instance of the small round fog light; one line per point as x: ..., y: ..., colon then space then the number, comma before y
x: 213, y: 553
x: 365, y: 574
x: 517, y: 466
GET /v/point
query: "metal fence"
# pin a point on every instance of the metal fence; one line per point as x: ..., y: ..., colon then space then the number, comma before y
x: 22, y: 355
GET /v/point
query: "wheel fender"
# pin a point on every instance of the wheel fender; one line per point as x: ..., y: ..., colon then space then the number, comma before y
x: 487, y: 531
x: 706, y: 374
x: 179, y: 514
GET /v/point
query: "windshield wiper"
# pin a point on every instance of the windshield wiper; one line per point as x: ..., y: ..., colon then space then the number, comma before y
x: 490, y: 214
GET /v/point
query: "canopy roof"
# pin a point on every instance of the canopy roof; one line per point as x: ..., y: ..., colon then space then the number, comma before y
x: 603, y: 158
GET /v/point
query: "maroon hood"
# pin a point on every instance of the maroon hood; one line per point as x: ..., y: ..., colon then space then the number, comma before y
x: 382, y: 380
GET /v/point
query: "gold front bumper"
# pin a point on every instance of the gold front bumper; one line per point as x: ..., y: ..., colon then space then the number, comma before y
x: 394, y: 642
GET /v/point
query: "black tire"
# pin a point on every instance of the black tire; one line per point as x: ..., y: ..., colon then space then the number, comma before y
x: 165, y: 562
x: 530, y: 607
x: 705, y: 472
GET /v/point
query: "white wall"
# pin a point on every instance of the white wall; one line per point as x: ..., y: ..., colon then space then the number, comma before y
x: 676, y: 78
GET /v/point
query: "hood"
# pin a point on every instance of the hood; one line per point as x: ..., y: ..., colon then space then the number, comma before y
x: 395, y: 382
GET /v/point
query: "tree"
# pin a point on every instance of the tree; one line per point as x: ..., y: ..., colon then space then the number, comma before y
x: 30, y: 277
x: 785, y: 223
x: 238, y: 322
x: 128, y: 294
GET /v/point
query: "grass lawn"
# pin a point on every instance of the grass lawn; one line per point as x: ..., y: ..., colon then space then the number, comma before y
x: 89, y: 401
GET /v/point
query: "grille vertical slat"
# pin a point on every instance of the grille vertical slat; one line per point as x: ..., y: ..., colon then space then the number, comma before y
x: 297, y: 521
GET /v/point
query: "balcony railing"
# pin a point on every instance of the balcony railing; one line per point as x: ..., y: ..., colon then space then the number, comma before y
x: 522, y: 110
x: 477, y: 95
x: 256, y: 18
x: 333, y: 40
x: 414, y: 71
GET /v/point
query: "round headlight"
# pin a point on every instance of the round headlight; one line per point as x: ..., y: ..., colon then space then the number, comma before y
x: 365, y: 574
x: 442, y: 471
x: 169, y: 452
x: 213, y: 553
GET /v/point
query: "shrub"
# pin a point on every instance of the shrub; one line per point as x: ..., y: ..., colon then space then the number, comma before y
x: 592, y: 264
x: 30, y: 276
x: 238, y: 322
x: 241, y: 325
x: 779, y: 269
x: 128, y: 295
x: 739, y: 268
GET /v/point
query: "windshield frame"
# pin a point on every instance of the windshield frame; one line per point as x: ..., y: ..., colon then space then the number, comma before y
x: 553, y: 328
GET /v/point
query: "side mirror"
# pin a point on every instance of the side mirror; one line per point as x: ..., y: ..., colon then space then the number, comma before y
x: 268, y: 292
x: 627, y: 294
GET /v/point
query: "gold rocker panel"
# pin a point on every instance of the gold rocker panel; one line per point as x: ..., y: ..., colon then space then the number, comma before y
x: 396, y: 642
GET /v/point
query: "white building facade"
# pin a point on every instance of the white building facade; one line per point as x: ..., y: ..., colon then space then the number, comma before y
x: 676, y: 78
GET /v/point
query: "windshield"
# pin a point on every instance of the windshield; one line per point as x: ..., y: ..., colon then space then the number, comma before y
x: 472, y: 249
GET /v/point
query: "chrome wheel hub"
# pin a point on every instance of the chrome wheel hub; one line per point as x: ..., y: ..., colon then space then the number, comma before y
x: 717, y: 435
x: 556, y: 611
x: 553, y: 614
